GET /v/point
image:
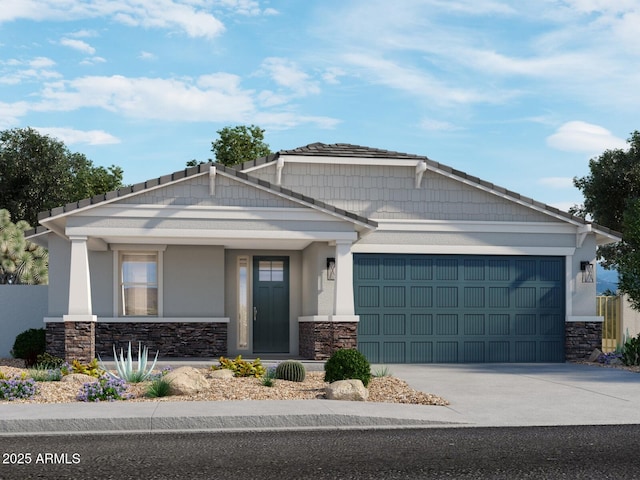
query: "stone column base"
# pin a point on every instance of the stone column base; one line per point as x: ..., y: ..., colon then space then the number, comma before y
x: 79, y: 341
x: 581, y: 339
x: 318, y: 340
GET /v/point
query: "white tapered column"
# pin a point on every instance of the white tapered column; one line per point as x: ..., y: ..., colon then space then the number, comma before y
x: 79, y: 322
x: 343, y: 294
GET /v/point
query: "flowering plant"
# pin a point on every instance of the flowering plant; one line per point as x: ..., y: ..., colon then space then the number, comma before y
x: 17, y: 388
x: 106, y: 388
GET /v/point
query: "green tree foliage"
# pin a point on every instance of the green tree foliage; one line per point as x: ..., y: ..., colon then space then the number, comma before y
x: 612, y: 199
x: 239, y: 144
x: 38, y: 173
x: 21, y: 261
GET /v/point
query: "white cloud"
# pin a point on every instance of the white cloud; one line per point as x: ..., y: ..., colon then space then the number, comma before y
x: 180, y: 15
x: 556, y: 182
x: 282, y: 120
x: 92, y: 60
x: 419, y: 82
x: 216, y: 97
x: 288, y: 75
x: 72, y: 136
x: 432, y: 125
x: 577, y: 136
x: 10, y: 113
x: 331, y: 75
x: 147, y: 56
x: 13, y: 71
x: 79, y: 45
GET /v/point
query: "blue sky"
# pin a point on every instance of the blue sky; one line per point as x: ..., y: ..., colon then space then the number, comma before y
x: 519, y: 93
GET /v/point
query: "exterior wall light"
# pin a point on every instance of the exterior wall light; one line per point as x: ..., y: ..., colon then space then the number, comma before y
x: 587, y: 272
x: 331, y: 268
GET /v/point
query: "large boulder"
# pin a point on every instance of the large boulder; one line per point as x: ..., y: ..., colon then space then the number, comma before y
x: 223, y: 374
x: 78, y: 378
x: 186, y: 381
x: 347, y: 390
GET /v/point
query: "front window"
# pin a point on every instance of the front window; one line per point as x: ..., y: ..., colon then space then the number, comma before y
x: 139, y: 284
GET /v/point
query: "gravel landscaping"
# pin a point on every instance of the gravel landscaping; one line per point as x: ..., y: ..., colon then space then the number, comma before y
x: 381, y: 389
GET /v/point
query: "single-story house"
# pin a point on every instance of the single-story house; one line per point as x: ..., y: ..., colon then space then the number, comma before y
x: 318, y: 248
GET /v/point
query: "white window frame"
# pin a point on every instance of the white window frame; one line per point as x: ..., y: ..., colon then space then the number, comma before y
x: 118, y: 252
x: 243, y: 304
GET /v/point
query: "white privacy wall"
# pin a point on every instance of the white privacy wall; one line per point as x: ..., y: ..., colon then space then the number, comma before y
x: 21, y: 307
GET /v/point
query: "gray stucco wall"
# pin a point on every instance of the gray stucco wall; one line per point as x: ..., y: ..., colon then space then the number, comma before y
x: 583, y: 295
x: 317, y: 291
x: 23, y: 307
x: 59, y: 263
x: 193, y: 281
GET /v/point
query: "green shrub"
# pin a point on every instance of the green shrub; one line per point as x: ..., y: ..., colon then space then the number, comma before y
x: 291, y: 370
x: 269, y: 378
x: 631, y: 351
x: 347, y: 364
x: 160, y: 387
x: 29, y: 344
x: 46, y: 360
x: 240, y: 367
x: 44, y: 374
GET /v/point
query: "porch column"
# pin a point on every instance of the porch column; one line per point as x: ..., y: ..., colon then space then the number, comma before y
x: 343, y: 294
x: 79, y: 322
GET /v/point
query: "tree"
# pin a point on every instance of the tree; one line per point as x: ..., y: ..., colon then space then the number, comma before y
x: 38, y: 173
x: 612, y: 199
x: 21, y: 261
x: 239, y: 144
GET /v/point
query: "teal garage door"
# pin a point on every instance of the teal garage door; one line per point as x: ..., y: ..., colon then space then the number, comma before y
x: 455, y: 308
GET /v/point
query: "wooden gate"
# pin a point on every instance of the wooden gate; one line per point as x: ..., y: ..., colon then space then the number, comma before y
x: 609, y: 308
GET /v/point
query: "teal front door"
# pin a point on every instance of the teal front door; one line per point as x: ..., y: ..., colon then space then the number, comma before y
x: 271, y: 304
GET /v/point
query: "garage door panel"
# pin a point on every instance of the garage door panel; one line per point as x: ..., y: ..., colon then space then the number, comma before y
x: 525, y: 351
x: 446, y: 324
x: 447, y: 297
x: 394, y: 352
x: 474, y: 352
x: 421, y: 352
x: 371, y: 350
x: 369, y: 325
x: 459, y: 308
x: 394, y: 296
x: 446, y: 352
x: 421, y: 297
x: 474, y: 297
x: 499, y: 324
x: 421, y: 324
x: 474, y: 324
x: 394, y: 324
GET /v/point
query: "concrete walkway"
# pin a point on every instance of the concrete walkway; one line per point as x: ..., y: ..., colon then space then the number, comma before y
x: 480, y: 395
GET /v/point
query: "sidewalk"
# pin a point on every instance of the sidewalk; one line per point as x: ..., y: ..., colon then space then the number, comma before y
x: 480, y: 395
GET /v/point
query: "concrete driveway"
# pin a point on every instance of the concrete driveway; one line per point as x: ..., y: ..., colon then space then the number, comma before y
x: 529, y: 394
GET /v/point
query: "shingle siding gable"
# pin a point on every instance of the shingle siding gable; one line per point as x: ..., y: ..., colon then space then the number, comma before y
x: 388, y: 192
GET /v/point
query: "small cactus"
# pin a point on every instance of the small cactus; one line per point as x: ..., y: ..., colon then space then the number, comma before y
x: 291, y: 370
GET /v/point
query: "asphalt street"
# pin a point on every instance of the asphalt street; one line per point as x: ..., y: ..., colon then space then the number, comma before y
x: 587, y: 452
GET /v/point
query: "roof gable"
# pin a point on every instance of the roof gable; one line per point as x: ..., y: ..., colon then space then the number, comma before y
x: 358, y: 154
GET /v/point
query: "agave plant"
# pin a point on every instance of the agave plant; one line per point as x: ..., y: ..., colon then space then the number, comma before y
x: 125, y: 367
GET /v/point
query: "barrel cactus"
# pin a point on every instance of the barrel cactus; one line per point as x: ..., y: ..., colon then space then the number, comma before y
x: 291, y: 370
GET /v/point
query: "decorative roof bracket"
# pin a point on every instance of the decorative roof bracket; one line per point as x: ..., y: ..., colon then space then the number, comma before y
x: 581, y: 234
x: 212, y: 180
x: 421, y: 167
x: 279, y: 167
